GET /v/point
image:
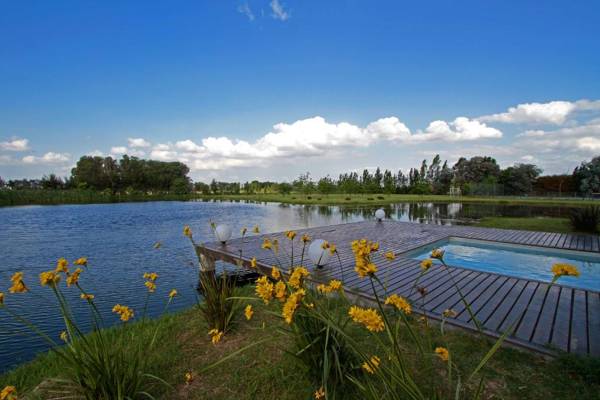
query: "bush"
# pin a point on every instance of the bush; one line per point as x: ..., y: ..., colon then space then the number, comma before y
x: 217, y: 307
x: 380, y: 197
x: 585, y: 219
x: 348, y: 198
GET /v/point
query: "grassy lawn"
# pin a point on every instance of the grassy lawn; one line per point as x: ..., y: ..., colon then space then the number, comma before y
x: 266, y: 371
x: 380, y: 199
x: 543, y: 224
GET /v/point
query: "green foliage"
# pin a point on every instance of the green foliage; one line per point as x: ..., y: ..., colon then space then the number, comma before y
x: 585, y: 219
x: 218, y: 307
x: 587, y: 176
x: 519, y: 179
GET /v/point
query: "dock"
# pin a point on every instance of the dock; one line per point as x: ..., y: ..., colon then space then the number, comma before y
x: 543, y: 318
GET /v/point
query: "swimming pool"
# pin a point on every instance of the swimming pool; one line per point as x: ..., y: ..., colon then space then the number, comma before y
x: 529, y: 262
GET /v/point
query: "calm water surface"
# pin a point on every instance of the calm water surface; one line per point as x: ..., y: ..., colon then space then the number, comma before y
x: 118, y: 240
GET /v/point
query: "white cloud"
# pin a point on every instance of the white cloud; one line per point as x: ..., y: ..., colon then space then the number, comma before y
x: 48, y: 158
x: 138, y: 143
x: 118, y: 150
x: 554, y: 112
x: 589, y: 143
x: 461, y: 129
x: 95, y: 153
x: 15, y: 145
x: 279, y: 11
x: 246, y: 10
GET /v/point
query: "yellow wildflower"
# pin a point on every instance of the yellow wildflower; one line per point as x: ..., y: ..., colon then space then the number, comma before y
x: 124, y: 312
x: 1, y: 298
x: 150, y: 285
x: 151, y: 276
x: 157, y: 245
x: 437, y: 253
x: 390, y: 255
x: 275, y: 273
x: 86, y: 296
x: 291, y: 304
x: 322, y: 288
x: 442, y: 353
x: 365, y: 269
x: 255, y: 229
x: 400, y: 303
x: 189, y: 378
x: 83, y: 260
x: 264, y: 289
x: 561, y: 269
x: 305, y: 238
x: 371, y: 365
x: 187, y: 231
x: 49, y: 278
x: 290, y: 235
x: 267, y: 245
x: 362, y: 250
x: 64, y: 337
x: 248, y: 312
x: 280, y: 291
x: 325, y: 245
x: 215, y: 335
x: 18, y: 286
x: 334, y: 284
x: 332, y: 248
x: 62, y: 265
x: 253, y: 262
x: 172, y: 293
x: 426, y: 264
x: 73, y: 278
x: 449, y: 313
x: 8, y: 393
x: 297, y: 277
x: 368, y: 317
x: 320, y: 394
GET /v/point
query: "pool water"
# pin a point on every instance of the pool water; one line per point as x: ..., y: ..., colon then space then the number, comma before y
x: 527, y: 262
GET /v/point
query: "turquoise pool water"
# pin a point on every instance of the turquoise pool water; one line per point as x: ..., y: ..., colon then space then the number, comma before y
x: 519, y: 261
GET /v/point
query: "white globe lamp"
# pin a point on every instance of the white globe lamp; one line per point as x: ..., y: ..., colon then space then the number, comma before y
x: 380, y: 214
x: 223, y: 233
x: 317, y: 254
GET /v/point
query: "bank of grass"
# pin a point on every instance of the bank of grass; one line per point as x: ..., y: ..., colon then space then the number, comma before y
x: 267, y: 372
x: 382, y: 199
x: 542, y: 224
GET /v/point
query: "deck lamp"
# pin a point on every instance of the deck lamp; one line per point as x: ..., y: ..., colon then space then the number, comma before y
x: 317, y: 254
x: 380, y: 214
x: 223, y: 233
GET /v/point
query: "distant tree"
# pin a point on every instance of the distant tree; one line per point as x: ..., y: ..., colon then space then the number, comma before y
x: 326, y: 185
x: 587, y: 176
x: 201, y: 187
x: 559, y: 184
x: 389, y: 182
x: 284, y: 188
x: 52, y: 182
x: 180, y: 186
x: 443, y: 180
x: 476, y: 170
x: 519, y: 179
x: 2, y: 183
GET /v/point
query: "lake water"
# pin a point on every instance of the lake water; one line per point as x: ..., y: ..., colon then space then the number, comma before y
x: 118, y: 241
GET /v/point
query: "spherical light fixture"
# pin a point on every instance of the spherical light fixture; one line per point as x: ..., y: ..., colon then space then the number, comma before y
x: 317, y: 254
x: 223, y: 233
x: 380, y: 214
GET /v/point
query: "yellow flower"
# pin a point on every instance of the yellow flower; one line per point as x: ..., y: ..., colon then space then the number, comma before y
x: 297, y: 277
x: 390, y: 255
x: 305, y: 238
x: 18, y: 286
x: 244, y: 230
x: 189, y: 378
x: 86, y: 296
x: 255, y: 229
x: 362, y: 250
x: 449, y: 313
x: 172, y: 293
x: 8, y: 393
x: 187, y: 231
x: 561, y: 269
x: 264, y: 289
x: 275, y: 273
x: 320, y: 394
x: 64, y: 337
x: 332, y: 248
x: 124, y: 312
x: 437, y: 253
x: 1, y: 298
x: 280, y: 291
x: 62, y: 266
x: 400, y: 303
x: 157, y: 245
x: 365, y: 269
x: 150, y: 285
x: 290, y: 235
x: 152, y: 276
x: 322, y: 288
x: 248, y: 312
x: 291, y: 304
x: 442, y: 353
x: 267, y: 244
x: 368, y: 317
x: 215, y: 335
x: 74, y: 277
x: 426, y: 264
x: 253, y: 262
x: 49, y: 278
x: 83, y: 260
x: 371, y: 365
x: 334, y: 284
x: 325, y: 245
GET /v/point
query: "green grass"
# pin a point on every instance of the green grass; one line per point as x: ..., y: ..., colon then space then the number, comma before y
x: 381, y: 199
x: 543, y: 224
x: 267, y: 372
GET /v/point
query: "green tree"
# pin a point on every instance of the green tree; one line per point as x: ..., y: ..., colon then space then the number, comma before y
x: 519, y: 179
x: 587, y: 176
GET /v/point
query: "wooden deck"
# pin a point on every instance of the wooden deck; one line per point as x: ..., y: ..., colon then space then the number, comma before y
x: 543, y: 319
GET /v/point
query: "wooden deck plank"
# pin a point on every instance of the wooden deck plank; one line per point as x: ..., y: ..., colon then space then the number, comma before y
x: 593, y: 313
x: 579, y: 327
x: 561, y: 331
x: 541, y: 333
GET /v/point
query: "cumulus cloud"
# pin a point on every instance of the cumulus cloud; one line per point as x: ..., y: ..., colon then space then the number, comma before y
x: 246, y: 10
x: 48, y: 158
x: 278, y: 11
x: 15, y: 145
x: 589, y: 143
x: 460, y: 129
x: 554, y: 112
x: 118, y: 150
x: 138, y: 143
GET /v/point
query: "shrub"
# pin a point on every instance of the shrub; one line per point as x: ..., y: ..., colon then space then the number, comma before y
x: 370, y: 198
x: 348, y: 198
x: 217, y: 306
x: 380, y: 197
x: 585, y: 219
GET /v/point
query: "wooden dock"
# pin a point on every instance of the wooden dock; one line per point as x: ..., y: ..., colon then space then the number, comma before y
x: 544, y: 319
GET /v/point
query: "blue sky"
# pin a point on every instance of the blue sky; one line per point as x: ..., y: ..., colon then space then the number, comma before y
x: 269, y: 89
